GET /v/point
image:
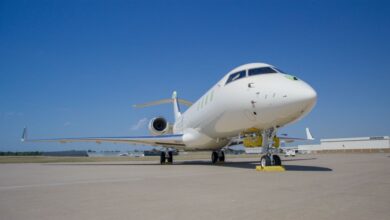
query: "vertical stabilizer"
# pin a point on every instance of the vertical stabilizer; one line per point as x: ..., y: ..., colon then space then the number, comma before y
x: 176, y: 107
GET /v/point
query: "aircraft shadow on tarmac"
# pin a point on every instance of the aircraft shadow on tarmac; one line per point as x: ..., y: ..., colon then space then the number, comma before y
x: 299, y: 159
x: 253, y: 164
x: 232, y: 164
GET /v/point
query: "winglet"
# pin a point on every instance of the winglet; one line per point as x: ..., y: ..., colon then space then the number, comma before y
x: 24, y: 135
x: 174, y: 95
x: 308, y: 134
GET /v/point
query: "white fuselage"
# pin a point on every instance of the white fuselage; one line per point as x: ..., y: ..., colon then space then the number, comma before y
x: 253, y: 102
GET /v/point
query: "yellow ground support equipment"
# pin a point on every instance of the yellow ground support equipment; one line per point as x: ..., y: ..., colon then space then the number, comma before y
x: 276, y: 143
x: 256, y: 141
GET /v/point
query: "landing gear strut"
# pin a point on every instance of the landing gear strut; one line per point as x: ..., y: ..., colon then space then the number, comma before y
x: 166, y: 158
x: 217, y: 157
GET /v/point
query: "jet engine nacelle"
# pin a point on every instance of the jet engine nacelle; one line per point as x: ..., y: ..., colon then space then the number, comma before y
x: 159, y: 126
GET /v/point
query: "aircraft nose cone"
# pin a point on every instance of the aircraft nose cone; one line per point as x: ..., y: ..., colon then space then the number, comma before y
x: 308, y: 96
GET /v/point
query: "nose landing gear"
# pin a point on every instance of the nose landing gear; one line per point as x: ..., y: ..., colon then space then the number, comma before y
x: 270, y: 148
x: 270, y: 160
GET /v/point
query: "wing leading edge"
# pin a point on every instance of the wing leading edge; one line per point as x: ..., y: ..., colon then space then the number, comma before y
x: 174, y: 140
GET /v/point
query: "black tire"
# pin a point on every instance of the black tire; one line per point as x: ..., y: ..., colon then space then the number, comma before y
x: 170, y: 157
x: 265, y: 161
x: 277, y: 160
x: 221, y: 157
x: 162, y: 158
x: 214, y: 157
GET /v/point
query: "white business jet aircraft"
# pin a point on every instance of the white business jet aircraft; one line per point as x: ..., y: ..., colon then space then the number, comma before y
x: 247, y: 106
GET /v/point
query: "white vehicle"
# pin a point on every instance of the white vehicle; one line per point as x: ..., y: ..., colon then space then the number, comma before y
x: 247, y: 106
x: 289, y: 153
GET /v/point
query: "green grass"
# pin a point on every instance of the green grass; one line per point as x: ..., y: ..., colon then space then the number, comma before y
x: 46, y: 159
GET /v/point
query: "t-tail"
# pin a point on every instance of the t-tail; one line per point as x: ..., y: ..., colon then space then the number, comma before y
x: 175, y: 100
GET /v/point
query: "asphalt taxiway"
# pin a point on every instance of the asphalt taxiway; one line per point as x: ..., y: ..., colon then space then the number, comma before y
x: 330, y: 186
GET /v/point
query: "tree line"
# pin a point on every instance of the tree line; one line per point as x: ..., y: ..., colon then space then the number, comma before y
x: 25, y: 153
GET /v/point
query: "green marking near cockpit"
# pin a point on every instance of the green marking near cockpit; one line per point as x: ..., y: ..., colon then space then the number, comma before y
x: 291, y: 77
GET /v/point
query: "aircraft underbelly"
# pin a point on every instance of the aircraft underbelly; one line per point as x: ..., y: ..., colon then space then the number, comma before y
x: 231, y: 122
x: 196, y: 140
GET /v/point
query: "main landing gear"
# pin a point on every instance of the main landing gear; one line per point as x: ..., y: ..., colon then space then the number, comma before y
x: 166, y: 157
x: 217, y: 156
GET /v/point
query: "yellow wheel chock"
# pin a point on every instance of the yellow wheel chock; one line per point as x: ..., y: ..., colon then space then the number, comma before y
x: 271, y: 168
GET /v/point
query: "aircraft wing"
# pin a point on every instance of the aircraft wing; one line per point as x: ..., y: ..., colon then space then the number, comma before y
x: 292, y: 139
x: 174, y: 140
x: 309, y: 137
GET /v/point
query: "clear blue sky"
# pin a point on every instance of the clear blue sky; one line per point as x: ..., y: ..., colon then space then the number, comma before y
x: 74, y: 68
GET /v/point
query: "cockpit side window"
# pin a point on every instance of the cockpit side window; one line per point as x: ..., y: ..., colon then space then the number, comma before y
x: 235, y: 76
x: 261, y: 70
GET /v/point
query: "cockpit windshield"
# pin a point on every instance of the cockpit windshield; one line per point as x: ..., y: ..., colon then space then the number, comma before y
x: 261, y: 70
x: 252, y: 72
x: 235, y: 76
x: 279, y: 70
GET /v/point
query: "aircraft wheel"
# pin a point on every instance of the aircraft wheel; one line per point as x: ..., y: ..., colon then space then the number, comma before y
x: 277, y: 160
x: 170, y: 157
x: 221, y: 157
x: 214, y: 157
x: 265, y: 161
x: 162, y: 158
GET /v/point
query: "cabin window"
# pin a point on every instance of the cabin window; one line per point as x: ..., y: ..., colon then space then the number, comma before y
x: 236, y: 76
x: 261, y: 70
x: 211, y: 95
